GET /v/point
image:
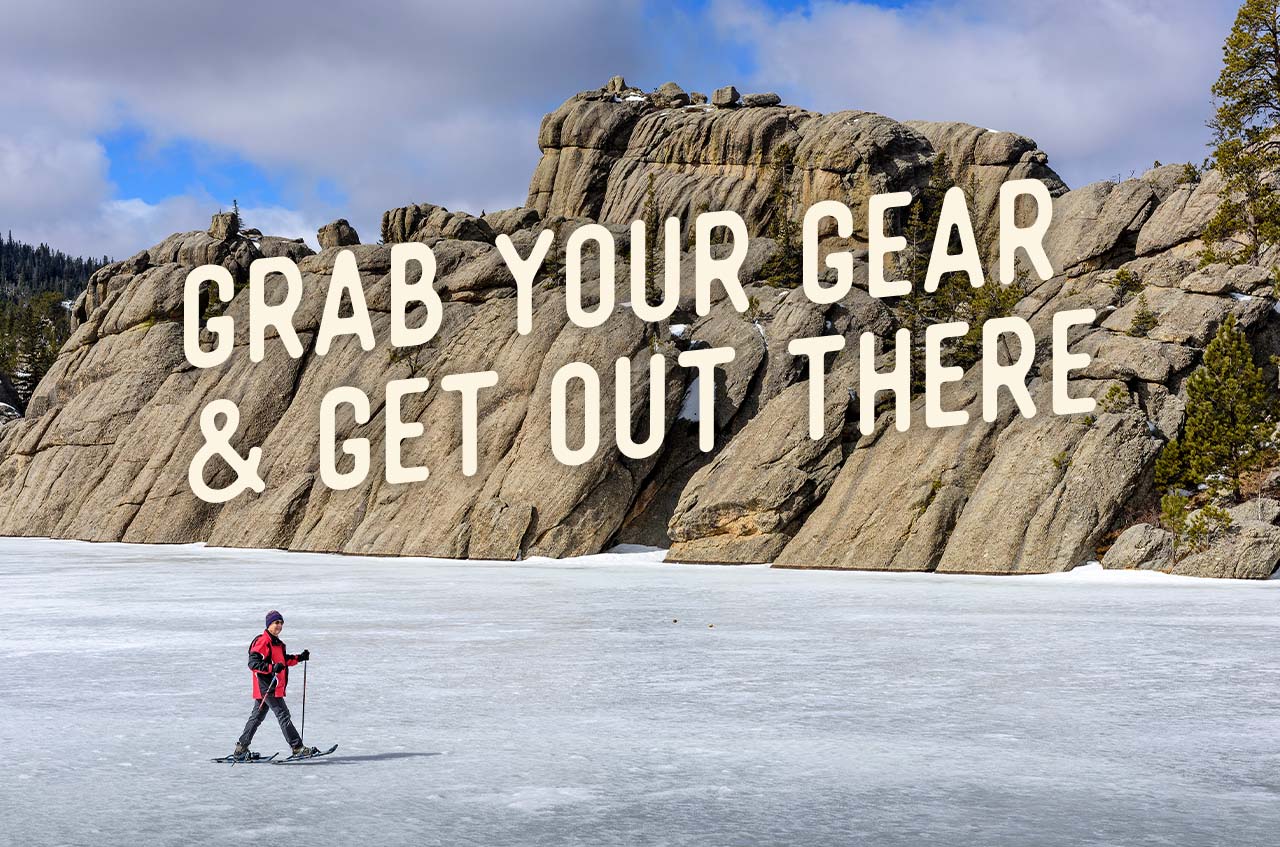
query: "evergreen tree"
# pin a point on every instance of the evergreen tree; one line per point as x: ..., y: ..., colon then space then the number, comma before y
x: 1229, y: 419
x: 25, y: 270
x: 31, y: 333
x: 1246, y: 150
x: 652, y: 236
x: 955, y: 299
x: 921, y: 309
x: 784, y: 268
x: 36, y: 287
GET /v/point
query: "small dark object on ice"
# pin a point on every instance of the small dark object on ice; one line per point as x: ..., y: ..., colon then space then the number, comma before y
x: 308, y: 753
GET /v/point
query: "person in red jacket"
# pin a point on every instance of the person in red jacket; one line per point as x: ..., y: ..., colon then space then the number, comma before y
x: 270, y: 665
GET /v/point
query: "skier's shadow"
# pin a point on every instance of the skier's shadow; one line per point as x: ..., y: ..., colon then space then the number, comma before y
x: 371, y: 757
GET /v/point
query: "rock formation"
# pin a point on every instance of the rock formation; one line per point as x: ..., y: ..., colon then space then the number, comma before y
x: 104, y: 449
x: 339, y: 233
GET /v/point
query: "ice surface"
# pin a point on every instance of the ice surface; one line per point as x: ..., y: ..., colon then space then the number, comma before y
x: 615, y: 700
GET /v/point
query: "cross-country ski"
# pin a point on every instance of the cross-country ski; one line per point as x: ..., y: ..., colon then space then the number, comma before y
x: 304, y: 756
x: 251, y: 759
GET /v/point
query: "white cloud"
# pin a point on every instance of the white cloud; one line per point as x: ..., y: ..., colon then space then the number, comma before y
x: 410, y: 102
x: 1105, y: 86
x: 416, y: 102
x: 44, y: 175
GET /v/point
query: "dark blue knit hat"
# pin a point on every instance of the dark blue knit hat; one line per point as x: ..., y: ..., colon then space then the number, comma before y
x: 273, y: 616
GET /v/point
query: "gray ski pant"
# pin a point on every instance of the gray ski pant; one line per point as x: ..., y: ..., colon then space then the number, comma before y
x: 277, y: 705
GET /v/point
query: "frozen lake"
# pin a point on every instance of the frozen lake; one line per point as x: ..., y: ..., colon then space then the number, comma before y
x: 617, y: 701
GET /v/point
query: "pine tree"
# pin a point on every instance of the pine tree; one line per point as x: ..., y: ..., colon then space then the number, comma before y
x: 1229, y: 419
x: 784, y: 268
x: 955, y: 299
x: 652, y: 234
x: 921, y: 309
x: 25, y: 270
x: 31, y: 333
x: 1246, y: 151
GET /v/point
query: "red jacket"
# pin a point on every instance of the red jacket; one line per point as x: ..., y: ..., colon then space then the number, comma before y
x: 264, y: 652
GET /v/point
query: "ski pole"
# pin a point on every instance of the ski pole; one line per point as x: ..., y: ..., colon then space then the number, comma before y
x: 303, y: 733
x: 270, y: 688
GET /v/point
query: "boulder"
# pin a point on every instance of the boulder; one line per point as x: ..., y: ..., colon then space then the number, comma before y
x: 670, y: 96
x: 1261, y: 509
x: 338, y: 233
x: 1141, y: 546
x: 425, y: 221
x: 693, y: 160
x: 1184, y: 317
x: 1165, y: 179
x: 725, y: 97
x: 1001, y: 148
x: 224, y: 225
x: 511, y: 221
x: 292, y: 248
x: 1211, y: 279
x: 1181, y: 216
x: 758, y: 100
x: 1249, y: 550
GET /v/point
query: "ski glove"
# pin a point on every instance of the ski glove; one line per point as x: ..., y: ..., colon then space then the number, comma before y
x: 277, y: 667
x: 304, y: 655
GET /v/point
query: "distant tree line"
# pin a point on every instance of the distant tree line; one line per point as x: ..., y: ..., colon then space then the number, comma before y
x: 28, y: 270
x: 36, y: 285
x: 32, y: 330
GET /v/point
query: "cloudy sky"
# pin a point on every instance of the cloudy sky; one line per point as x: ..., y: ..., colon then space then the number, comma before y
x: 128, y: 120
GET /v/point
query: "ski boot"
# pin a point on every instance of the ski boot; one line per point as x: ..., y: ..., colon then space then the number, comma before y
x: 303, y: 752
x: 242, y: 754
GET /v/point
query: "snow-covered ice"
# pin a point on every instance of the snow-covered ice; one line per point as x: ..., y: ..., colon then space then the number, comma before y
x: 614, y: 700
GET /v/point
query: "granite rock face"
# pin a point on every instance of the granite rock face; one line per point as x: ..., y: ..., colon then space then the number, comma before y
x: 1248, y: 549
x: 601, y: 152
x: 425, y: 221
x: 104, y: 454
x: 104, y: 449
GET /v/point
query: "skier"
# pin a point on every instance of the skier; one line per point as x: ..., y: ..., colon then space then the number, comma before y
x: 270, y: 665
